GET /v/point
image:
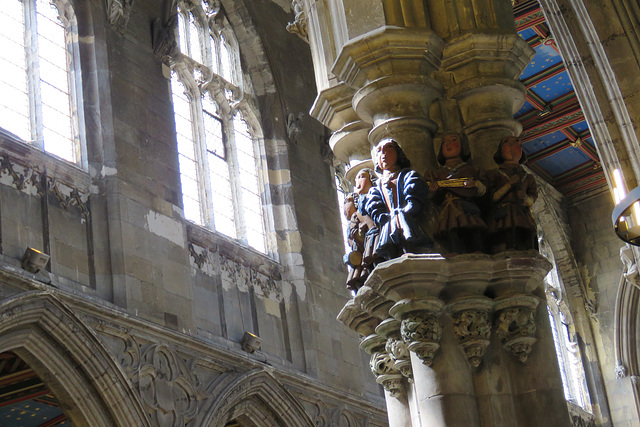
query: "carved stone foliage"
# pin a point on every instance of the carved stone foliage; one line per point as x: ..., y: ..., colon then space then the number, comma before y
x: 30, y: 181
x: 200, y: 257
x: 240, y: 275
x: 118, y: 13
x: 422, y: 332
x: 167, y: 387
x: 382, y: 366
x: 299, y: 25
x: 399, y: 353
x: 516, y: 327
x: 244, y: 276
x: 473, y: 329
x: 68, y: 196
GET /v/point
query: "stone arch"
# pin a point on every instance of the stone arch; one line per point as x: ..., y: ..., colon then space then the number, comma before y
x: 256, y: 398
x: 70, y: 359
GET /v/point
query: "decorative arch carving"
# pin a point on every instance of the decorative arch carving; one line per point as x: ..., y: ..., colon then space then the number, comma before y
x: 70, y: 359
x: 256, y: 396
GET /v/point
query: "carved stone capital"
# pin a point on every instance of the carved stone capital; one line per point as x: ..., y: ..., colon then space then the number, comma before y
x: 516, y: 324
x: 482, y: 55
x: 472, y: 327
x: 422, y: 333
x: 373, y: 303
x: 388, y: 51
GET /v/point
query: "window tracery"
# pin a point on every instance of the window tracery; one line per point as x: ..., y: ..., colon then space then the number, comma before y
x: 218, y: 135
x: 40, y: 77
x: 564, y: 333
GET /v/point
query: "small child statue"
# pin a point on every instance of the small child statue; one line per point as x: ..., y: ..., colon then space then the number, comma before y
x: 396, y: 203
x: 365, y: 180
x: 355, y: 239
x: 513, y: 192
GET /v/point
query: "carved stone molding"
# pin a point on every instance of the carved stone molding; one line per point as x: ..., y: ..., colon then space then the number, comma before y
x: 472, y: 327
x: 422, y: 333
x: 516, y: 324
x: 118, y: 14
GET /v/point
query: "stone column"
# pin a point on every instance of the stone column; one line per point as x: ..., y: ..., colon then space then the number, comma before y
x: 481, y: 349
x: 388, y: 358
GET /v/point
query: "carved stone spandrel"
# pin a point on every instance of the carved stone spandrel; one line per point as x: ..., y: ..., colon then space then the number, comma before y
x: 167, y: 387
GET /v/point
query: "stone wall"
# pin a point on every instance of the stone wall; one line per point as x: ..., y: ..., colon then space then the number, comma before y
x: 596, y: 249
x: 161, y: 293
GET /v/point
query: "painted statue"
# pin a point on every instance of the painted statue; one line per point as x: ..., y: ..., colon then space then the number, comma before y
x: 355, y: 240
x: 513, y: 192
x: 362, y: 233
x: 456, y: 189
x: 365, y: 180
x: 396, y: 203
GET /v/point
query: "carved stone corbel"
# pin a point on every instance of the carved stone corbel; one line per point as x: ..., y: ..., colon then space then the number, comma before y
x: 516, y: 324
x: 472, y: 327
x: 165, y: 42
x: 299, y: 24
x: 118, y: 13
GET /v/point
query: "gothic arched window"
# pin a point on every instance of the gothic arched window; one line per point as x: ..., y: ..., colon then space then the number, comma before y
x: 565, y: 338
x: 218, y: 135
x: 40, y: 78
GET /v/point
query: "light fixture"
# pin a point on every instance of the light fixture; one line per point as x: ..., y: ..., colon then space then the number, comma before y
x: 626, y: 217
x: 250, y: 342
x: 34, y: 260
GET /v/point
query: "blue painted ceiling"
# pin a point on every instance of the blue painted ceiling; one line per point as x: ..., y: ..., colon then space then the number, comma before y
x: 556, y: 137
